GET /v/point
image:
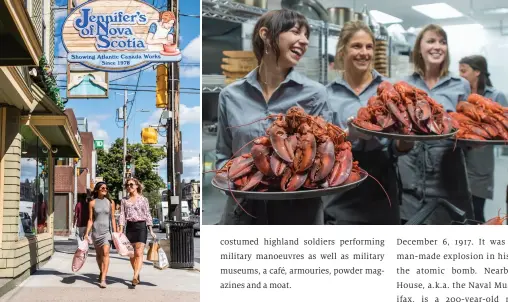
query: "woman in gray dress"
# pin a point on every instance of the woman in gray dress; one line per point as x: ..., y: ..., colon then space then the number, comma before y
x: 102, y: 223
x: 435, y: 170
x: 480, y: 161
x: 279, y: 40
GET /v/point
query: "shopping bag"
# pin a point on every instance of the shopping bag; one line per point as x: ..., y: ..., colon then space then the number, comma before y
x: 122, y: 244
x: 163, y: 262
x: 153, y: 254
x: 80, y: 256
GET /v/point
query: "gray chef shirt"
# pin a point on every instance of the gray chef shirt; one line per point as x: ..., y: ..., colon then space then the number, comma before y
x: 448, y: 91
x: 344, y: 103
x: 480, y: 161
x: 242, y: 102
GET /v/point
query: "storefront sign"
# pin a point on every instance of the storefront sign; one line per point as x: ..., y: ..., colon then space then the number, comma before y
x: 120, y: 35
x: 98, y: 144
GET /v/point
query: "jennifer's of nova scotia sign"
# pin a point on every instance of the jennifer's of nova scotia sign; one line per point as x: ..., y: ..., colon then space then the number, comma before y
x: 119, y: 35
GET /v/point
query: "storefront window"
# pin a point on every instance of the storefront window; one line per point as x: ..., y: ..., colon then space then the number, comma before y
x: 34, y: 185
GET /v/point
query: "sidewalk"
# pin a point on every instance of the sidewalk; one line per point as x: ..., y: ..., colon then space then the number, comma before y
x: 55, y: 281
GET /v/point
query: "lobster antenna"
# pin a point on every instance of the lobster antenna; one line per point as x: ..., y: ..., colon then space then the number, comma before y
x: 234, y: 198
x: 389, y: 200
x: 255, y: 121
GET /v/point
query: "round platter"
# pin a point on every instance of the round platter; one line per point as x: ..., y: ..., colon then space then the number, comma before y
x: 404, y: 137
x: 479, y: 143
x: 300, y: 194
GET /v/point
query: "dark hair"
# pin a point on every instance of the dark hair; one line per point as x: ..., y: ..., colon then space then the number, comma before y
x: 479, y: 63
x: 95, y: 192
x: 277, y: 22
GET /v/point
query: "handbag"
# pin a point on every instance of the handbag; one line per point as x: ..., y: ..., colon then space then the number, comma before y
x: 123, y: 245
x: 80, y: 256
x: 153, y: 254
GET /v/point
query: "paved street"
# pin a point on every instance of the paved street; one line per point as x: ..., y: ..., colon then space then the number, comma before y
x: 55, y: 281
x: 214, y: 201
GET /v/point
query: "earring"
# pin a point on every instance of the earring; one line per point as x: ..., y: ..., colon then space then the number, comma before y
x: 266, y: 49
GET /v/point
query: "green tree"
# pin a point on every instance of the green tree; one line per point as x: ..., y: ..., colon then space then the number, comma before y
x: 110, y: 165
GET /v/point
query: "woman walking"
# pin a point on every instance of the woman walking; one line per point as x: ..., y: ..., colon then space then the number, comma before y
x: 279, y: 40
x: 480, y: 161
x: 358, y: 82
x: 102, y: 224
x: 435, y: 170
x: 135, y: 216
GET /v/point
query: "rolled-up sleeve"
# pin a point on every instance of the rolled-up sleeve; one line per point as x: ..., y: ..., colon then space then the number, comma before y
x: 146, y: 209
x: 223, y: 149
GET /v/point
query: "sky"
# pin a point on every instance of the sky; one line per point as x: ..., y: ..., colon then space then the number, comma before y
x: 101, y: 113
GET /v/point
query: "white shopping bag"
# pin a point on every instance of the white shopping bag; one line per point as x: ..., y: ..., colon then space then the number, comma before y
x: 163, y: 262
x: 80, y: 256
x: 123, y: 245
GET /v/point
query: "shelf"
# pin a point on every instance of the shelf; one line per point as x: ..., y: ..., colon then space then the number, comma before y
x: 241, y: 13
x: 211, y: 84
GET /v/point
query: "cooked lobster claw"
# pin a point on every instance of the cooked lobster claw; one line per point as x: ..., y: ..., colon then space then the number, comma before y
x: 240, y: 166
x: 277, y: 165
x: 305, y: 152
x: 324, y: 162
x: 341, y: 169
x: 292, y: 181
x: 278, y: 137
x: 261, y: 156
x: 249, y: 182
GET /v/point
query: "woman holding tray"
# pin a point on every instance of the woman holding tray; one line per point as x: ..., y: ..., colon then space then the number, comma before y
x: 480, y: 161
x: 358, y: 81
x: 279, y: 40
x: 435, y: 170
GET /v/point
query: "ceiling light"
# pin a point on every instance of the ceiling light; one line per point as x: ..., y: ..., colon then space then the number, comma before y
x: 496, y: 11
x: 463, y: 27
x: 438, y: 11
x: 384, y: 18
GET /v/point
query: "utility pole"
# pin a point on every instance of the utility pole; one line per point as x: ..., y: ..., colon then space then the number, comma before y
x: 124, y: 140
x: 170, y: 125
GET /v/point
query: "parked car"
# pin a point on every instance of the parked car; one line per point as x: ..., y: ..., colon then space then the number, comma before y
x: 156, y: 223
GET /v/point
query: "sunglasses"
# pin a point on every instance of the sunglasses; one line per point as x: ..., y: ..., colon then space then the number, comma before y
x: 103, y: 189
x: 131, y: 185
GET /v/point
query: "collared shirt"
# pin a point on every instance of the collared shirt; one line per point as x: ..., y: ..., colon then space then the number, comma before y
x: 448, y: 91
x: 139, y: 210
x: 495, y: 95
x: 345, y: 103
x: 242, y: 102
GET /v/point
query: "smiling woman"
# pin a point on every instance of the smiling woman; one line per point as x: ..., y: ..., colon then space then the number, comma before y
x: 279, y: 40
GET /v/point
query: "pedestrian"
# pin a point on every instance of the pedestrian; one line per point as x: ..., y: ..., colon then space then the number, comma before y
x: 81, y: 216
x: 434, y: 171
x: 102, y: 224
x: 357, y: 82
x: 135, y: 216
x: 279, y: 40
x: 480, y: 161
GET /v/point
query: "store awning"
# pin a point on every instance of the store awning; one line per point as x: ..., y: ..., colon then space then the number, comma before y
x: 55, y: 132
x: 20, y: 44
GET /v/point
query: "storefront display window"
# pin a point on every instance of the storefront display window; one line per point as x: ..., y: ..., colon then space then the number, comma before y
x: 34, y: 185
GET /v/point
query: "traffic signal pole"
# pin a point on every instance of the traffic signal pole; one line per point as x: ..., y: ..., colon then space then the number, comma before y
x: 124, y: 140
